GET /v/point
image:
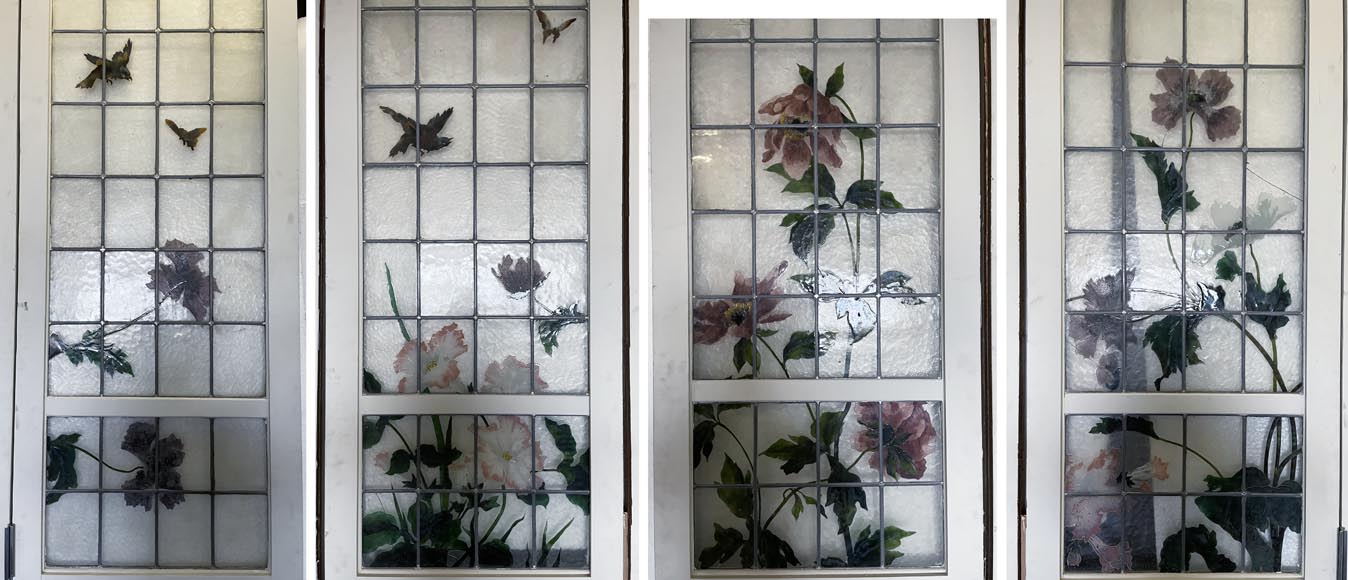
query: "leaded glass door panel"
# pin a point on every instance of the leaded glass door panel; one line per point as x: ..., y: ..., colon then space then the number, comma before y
x: 474, y: 377
x: 1184, y: 205
x: 158, y: 383
x: 815, y: 300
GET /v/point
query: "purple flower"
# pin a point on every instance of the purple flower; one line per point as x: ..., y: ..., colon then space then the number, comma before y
x: 909, y: 437
x: 1200, y: 95
x: 519, y: 275
x: 793, y: 145
x: 182, y: 280
x: 712, y: 321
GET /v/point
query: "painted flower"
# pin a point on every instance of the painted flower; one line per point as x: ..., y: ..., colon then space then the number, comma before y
x: 1200, y: 95
x: 512, y: 375
x: 793, y: 146
x: 519, y: 275
x: 1144, y: 476
x: 908, y: 432
x: 181, y: 279
x: 1102, y: 334
x: 1261, y: 216
x: 713, y: 320
x: 383, y: 459
x: 503, y: 452
x: 439, y: 362
x: 160, y: 459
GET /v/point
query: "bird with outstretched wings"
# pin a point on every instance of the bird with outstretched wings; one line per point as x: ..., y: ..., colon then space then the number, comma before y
x: 115, y: 68
x: 427, y: 138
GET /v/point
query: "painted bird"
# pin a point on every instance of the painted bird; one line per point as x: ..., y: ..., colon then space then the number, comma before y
x: 428, y: 139
x: 108, y: 69
x: 548, y: 29
x: 189, y: 138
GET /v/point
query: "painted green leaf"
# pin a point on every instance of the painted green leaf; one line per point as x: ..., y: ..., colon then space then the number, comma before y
x: 864, y: 192
x: 801, y: 346
x: 372, y: 430
x: 1173, y: 340
x: 803, y: 233
x: 806, y: 75
x: 862, y: 133
x: 795, y: 452
x: 1201, y: 540
x: 1135, y: 424
x: 399, y: 462
x: 61, y: 471
x: 1275, y: 300
x: 845, y: 501
x: 745, y: 354
x: 495, y: 554
x: 432, y: 457
x: 402, y: 555
x: 1171, y: 188
x: 830, y: 428
x: 378, y: 529
x: 774, y: 552
x: 704, y: 439
x: 835, y: 82
x: 1228, y: 267
x: 562, y: 437
x: 729, y: 541
x: 549, y: 328
x: 371, y: 383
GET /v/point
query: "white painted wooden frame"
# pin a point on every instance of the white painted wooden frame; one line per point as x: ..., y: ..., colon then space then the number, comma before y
x: 1046, y: 401
x: 673, y: 391
x: 9, y: 216
x: 283, y: 405
x: 342, y: 374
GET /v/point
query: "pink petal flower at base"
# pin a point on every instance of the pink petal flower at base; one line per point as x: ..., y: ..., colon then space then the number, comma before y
x: 503, y: 452
x: 512, y: 375
x: 438, y: 360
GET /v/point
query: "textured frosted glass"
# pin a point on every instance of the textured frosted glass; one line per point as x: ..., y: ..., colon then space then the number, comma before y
x: 240, y: 454
x: 130, y: 14
x: 77, y: 14
x: 560, y: 198
x: 1094, y: 190
x: 910, y: 166
x: 911, y: 243
x: 176, y: 157
x: 184, y: 14
x: 566, y: 368
x: 1091, y: 257
x: 238, y: 14
x: 719, y: 83
x: 238, y: 352
x: 910, y: 28
x: 909, y: 83
x: 446, y: 47
x: 383, y: 342
x: 720, y: 169
x: 86, y: 469
x: 562, y: 61
x: 69, y: 67
x: 783, y: 28
x: 560, y: 125
x: 500, y: 36
x: 503, y: 125
x: 777, y: 421
x: 238, y: 67
x: 76, y: 212
x: 184, y: 360
x: 858, y: 62
x: 130, y: 213
x: 184, y: 211
x: 72, y: 530
x: 66, y: 378
x: 1154, y: 29
x: 1089, y: 28
x: 240, y: 277
x: 128, y: 533
x: 459, y: 128
x: 137, y: 341
x: 1214, y: 31
x: 76, y: 135
x: 238, y: 140
x: 716, y: 28
x: 910, y: 338
x: 458, y: 432
x: 125, y: 295
x: 195, y: 434
x: 846, y: 28
x: 185, y: 533
x: 1275, y: 108
x: 388, y: 54
x: 442, y: 188
x: 567, y: 527
x: 390, y: 203
x: 241, y: 531
x: 503, y: 203
x: 237, y: 213
x: 567, y: 278
x: 185, y: 66
x: 70, y: 295
x: 776, y: 71
x: 395, y: 264
x: 1090, y: 100
x: 381, y: 132
x: 920, y: 509
x: 719, y: 243
x: 1277, y: 29
x: 445, y: 289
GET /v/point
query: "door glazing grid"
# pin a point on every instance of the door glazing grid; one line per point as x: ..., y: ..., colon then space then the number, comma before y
x: 475, y: 229
x: 157, y: 282
x: 816, y: 253
x: 1184, y: 172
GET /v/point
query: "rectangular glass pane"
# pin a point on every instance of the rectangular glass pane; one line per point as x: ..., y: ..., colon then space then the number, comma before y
x: 166, y: 492
x: 815, y: 237
x: 818, y: 485
x: 475, y: 194
x: 476, y: 491
x: 1184, y: 271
